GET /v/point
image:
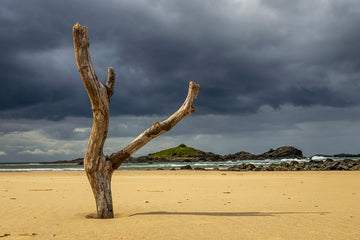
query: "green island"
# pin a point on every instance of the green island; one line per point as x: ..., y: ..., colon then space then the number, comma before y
x: 180, y: 151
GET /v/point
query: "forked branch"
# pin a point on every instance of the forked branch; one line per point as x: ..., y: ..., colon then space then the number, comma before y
x: 100, y: 95
x: 157, y: 129
x: 93, y: 86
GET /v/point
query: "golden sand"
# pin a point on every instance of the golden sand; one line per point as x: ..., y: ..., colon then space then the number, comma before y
x: 183, y: 205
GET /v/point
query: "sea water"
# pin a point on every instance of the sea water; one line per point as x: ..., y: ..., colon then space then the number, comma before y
x: 38, y: 167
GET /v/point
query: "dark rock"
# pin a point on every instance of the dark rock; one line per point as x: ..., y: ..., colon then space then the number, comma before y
x: 187, y: 167
x: 349, y: 162
x: 333, y: 165
x: 240, y: 156
x: 77, y: 161
x: 297, y: 169
x: 282, y: 152
x: 199, y: 168
x: 302, y: 165
x: 284, y: 164
x: 250, y: 167
x: 315, y: 162
x: 240, y: 167
x: 243, y: 166
x: 328, y: 160
x: 281, y: 168
x: 342, y: 167
x: 328, y: 163
x: 307, y: 168
x: 294, y: 163
x: 273, y: 165
x: 210, y: 157
x: 356, y: 168
x: 269, y: 168
x: 279, y: 153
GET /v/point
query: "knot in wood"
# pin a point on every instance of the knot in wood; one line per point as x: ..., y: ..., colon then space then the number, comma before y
x: 156, y: 125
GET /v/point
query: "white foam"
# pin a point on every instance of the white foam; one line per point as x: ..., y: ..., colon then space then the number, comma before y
x: 318, y: 158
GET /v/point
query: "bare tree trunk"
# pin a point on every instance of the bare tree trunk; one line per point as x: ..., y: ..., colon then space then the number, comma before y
x: 100, y: 182
x: 99, y: 168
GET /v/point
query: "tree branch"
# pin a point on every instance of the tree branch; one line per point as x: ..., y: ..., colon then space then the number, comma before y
x: 110, y: 82
x: 99, y: 97
x: 157, y: 129
x: 92, y: 84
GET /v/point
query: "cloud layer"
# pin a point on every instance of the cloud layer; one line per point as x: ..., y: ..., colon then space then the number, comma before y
x: 248, y: 55
x: 245, y: 54
x: 315, y: 130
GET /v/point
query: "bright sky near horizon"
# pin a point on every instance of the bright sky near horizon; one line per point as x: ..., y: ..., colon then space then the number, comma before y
x: 272, y: 73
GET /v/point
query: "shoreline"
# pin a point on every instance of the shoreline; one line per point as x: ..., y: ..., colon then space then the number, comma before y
x: 240, y: 165
x: 184, y: 204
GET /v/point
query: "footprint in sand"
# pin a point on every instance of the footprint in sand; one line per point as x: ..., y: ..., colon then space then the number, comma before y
x: 28, y: 234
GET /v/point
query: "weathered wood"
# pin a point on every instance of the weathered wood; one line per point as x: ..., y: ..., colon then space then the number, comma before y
x: 98, y: 168
x: 158, y: 128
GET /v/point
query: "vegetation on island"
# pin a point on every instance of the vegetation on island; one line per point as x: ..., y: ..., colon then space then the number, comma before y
x: 180, y: 151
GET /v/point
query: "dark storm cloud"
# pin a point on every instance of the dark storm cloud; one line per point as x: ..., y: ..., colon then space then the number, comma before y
x: 245, y: 54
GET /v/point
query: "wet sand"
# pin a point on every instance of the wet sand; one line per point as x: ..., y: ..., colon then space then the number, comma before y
x: 183, y: 205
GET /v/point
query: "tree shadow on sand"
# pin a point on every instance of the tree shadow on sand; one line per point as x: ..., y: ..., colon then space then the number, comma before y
x: 227, y: 214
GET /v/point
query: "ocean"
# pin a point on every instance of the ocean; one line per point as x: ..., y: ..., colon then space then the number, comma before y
x: 38, y: 167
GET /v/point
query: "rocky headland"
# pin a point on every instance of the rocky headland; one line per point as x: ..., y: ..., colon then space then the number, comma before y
x: 183, y: 153
x: 195, y: 155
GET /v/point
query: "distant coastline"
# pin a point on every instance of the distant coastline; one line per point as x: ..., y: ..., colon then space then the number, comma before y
x: 183, y: 153
x: 286, y: 158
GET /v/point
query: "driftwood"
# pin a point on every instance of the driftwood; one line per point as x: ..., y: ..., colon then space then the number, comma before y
x: 98, y: 167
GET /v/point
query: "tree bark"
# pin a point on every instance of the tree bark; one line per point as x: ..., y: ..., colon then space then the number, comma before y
x: 99, y: 168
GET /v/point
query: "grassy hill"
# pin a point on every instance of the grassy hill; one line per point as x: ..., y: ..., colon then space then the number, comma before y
x: 180, y: 151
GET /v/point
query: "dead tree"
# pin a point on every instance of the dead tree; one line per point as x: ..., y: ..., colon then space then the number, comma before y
x: 98, y: 167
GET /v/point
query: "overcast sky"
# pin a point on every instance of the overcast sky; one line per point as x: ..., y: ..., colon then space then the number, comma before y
x: 272, y: 73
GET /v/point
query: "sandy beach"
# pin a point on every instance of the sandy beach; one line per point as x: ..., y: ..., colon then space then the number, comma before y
x: 183, y: 205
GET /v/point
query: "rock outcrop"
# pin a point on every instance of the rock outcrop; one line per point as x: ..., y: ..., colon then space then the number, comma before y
x: 313, y: 165
x: 286, y: 152
x: 200, y: 156
x: 279, y: 153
